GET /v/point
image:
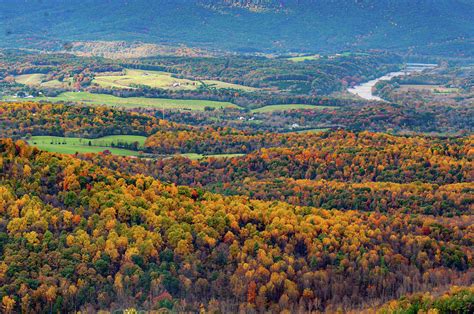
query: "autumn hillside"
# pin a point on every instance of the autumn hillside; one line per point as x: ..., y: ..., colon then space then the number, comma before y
x: 76, y: 235
x: 334, y: 170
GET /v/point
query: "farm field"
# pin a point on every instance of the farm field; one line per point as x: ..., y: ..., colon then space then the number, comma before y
x: 30, y: 79
x: 316, y: 56
x: 133, y: 102
x: 154, y: 79
x: 71, y: 145
x: 285, y: 107
x: 158, y: 79
x: 54, y: 84
x: 38, y: 79
x: 105, y: 141
x: 220, y: 84
x: 304, y: 58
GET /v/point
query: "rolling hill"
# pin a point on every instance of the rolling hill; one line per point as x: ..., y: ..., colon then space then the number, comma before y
x: 442, y: 26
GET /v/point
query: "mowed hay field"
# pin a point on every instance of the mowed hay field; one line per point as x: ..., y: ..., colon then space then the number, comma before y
x: 154, y: 79
x: 304, y: 58
x: 286, y: 107
x: 158, y: 79
x: 71, y: 145
x: 220, y: 84
x: 30, y: 79
x: 133, y: 102
x: 38, y: 79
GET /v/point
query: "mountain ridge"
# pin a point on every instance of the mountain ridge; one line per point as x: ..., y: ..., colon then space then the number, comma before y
x: 283, y: 26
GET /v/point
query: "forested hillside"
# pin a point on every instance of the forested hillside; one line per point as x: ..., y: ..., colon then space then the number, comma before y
x: 270, y: 25
x: 297, y: 215
x: 331, y: 170
x: 237, y: 156
x: 76, y: 235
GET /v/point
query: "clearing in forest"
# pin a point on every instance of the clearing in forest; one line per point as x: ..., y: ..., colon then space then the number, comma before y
x: 71, y: 145
x: 157, y: 79
x: 133, y: 102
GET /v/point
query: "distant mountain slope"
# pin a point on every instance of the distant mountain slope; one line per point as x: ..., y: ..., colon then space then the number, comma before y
x: 247, y: 25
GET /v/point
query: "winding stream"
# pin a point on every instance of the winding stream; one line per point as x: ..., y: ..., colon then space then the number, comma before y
x: 364, y: 90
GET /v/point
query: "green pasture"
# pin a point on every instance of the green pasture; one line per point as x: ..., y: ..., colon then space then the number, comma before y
x: 71, y: 145
x: 133, y: 102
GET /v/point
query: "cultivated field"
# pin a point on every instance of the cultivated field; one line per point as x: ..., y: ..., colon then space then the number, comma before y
x: 71, y: 145
x: 286, y: 107
x: 220, y: 84
x: 304, y: 58
x: 154, y: 79
x: 30, y: 79
x: 158, y: 79
x: 38, y: 79
x: 133, y: 102
x: 105, y: 141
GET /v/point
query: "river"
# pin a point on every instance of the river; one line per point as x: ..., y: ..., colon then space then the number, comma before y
x: 364, y: 90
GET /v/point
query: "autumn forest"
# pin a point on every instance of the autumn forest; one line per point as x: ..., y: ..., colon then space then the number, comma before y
x: 322, y: 162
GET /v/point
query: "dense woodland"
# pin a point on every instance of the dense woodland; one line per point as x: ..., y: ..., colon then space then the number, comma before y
x: 27, y: 118
x: 381, y: 117
x: 299, y: 221
x: 455, y: 300
x: 364, y: 171
x: 19, y: 120
x: 113, y: 240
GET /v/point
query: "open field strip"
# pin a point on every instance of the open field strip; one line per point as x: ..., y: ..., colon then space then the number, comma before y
x: 71, y: 145
x: 30, y: 79
x: 131, y: 102
x: 158, y: 79
x: 304, y: 58
x: 105, y: 141
x: 38, y: 79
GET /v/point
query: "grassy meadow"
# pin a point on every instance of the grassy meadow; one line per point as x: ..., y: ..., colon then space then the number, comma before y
x: 304, y: 58
x: 71, y: 145
x: 158, y: 79
x: 37, y: 79
x: 30, y: 79
x: 133, y: 102
x: 154, y: 79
